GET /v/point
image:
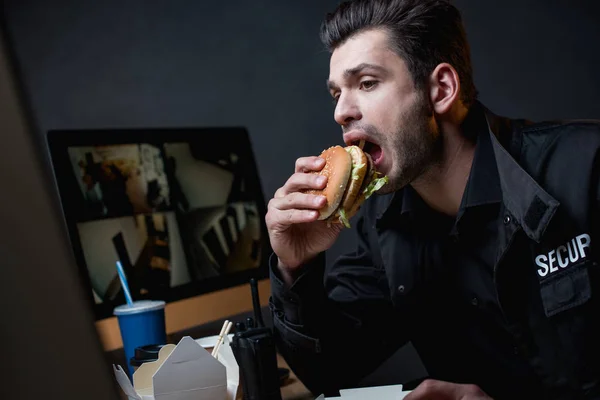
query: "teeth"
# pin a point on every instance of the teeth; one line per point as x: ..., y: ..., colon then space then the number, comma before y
x: 365, y: 145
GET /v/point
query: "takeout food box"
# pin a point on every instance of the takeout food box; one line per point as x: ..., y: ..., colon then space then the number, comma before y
x: 184, y: 371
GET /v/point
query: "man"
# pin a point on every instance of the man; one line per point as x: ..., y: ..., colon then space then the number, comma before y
x: 479, y: 250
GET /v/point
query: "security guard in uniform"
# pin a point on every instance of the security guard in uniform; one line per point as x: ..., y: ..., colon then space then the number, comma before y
x: 481, y: 251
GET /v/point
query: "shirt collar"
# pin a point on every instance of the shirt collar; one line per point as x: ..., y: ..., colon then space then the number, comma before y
x: 483, y: 186
x: 530, y: 205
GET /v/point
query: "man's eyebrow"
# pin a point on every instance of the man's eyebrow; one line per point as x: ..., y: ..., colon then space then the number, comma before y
x: 355, y: 71
x: 360, y: 67
x: 331, y: 85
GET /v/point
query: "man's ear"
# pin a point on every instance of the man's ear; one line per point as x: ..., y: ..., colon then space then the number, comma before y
x: 444, y: 88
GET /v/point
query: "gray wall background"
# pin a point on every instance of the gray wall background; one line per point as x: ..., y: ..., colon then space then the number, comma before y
x: 91, y: 64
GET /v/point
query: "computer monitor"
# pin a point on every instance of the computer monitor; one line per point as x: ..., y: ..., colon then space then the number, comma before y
x: 182, y: 209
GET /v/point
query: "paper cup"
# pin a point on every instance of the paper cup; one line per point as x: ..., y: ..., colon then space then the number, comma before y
x: 141, y: 324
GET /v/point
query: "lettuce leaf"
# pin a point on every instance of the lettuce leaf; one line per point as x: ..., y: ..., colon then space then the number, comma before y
x: 355, y: 169
x: 374, y: 186
x: 343, y: 218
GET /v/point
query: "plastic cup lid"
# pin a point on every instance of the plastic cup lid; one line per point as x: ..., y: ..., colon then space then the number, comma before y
x: 139, y: 307
x: 145, y: 354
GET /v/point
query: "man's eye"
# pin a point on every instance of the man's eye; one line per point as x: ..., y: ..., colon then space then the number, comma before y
x: 368, y: 85
x: 335, y: 100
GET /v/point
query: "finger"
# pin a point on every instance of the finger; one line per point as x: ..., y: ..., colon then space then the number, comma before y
x: 281, y: 219
x: 429, y: 389
x: 299, y: 200
x: 303, y: 181
x: 279, y: 193
x: 309, y: 164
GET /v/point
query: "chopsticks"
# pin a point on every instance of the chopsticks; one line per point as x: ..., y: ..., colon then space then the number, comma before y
x: 224, y: 332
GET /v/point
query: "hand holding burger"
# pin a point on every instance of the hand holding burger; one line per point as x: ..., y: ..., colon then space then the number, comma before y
x: 307, y: 214
x: 351, y: 179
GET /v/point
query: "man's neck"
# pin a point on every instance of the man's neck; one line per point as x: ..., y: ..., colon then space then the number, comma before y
x: 442, y: 186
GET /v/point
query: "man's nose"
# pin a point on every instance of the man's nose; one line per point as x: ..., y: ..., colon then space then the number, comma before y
x: 346, y: 110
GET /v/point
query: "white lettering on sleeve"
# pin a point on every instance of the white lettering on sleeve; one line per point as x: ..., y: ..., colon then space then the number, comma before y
x: 552, y: 259
x: 540, y: 260
x: 564, y: 255
x: 582, y: 245
x: 562, y: 249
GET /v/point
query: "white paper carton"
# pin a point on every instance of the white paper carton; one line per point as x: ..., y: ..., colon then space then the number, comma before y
x: 184, y: 372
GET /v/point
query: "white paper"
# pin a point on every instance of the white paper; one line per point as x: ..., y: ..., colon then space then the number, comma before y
x: 210, y: 341
x: 387, y: 392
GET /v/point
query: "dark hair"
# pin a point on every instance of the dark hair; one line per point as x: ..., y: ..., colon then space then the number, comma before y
x: 424, y: 33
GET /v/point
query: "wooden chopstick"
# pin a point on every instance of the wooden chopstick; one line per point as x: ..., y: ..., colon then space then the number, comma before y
x: 221, y: 338
x: 223, y: 328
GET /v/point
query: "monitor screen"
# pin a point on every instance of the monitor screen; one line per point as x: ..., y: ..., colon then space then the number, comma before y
x: 181, y: 209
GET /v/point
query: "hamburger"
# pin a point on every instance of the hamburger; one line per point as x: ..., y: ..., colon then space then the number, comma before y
x: 351, y: 179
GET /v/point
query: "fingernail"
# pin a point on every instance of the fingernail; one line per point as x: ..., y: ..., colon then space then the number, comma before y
x: 319, y: 199
x: 321, y: 180
x: 319, y: 161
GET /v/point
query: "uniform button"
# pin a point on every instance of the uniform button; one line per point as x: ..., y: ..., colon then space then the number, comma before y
x: 506, y: 219
x: 475, y: 301
x: 401, y: 289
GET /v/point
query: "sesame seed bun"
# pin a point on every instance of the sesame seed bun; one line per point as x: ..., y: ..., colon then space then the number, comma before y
x: 358, y: 195
x: 359, y: 170
x: 337, y: 169
x: 350, y: 172
x: 362, y: 196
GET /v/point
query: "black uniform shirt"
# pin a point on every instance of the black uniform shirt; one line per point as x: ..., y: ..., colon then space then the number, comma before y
x: 461, y: 249
x: 466, y: 243
x: 469, y: 291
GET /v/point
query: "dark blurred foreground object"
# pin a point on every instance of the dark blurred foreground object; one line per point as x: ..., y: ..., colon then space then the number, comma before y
x: 37, y: 266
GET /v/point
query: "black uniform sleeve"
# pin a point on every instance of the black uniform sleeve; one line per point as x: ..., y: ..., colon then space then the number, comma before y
x: 333, y: 331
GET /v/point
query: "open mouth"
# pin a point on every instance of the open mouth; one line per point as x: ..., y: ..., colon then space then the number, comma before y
x: 373, y: 149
